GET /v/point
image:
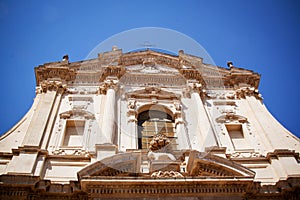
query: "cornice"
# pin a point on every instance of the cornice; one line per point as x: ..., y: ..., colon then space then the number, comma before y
x: 114, y: 63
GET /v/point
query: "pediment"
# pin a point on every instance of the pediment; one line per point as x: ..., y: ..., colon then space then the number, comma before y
x: 199, y: 165
x: 124, y: 164
x: 152, y: 92
x: 208, y: 165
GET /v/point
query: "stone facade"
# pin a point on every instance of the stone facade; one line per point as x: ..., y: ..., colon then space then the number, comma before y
x: 148, y: 125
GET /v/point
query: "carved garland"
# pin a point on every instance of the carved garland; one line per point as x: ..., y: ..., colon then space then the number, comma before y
x: 166, y: 174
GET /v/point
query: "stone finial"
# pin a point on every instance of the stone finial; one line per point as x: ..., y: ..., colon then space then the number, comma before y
x: 65, y: 57
x: 114, y: 48
x: 229, y: 64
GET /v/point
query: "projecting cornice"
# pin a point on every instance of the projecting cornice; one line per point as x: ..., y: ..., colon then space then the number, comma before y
x: 149, y: 64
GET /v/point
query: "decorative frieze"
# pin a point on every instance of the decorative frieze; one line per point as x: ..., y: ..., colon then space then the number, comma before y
x: 71, y: 152
x: 154, y: 190
x: 157, y: 79
x: 139, y: 57
x: 244, y: 155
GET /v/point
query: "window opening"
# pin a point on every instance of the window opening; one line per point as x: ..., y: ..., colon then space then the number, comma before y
x: 153, y: 122
x: 237, y: 137
x: 74, y: 133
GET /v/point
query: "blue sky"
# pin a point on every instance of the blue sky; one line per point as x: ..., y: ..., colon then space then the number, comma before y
x: 259, y: 35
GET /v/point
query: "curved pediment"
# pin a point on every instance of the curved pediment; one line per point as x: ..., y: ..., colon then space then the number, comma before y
x: 208, y: 165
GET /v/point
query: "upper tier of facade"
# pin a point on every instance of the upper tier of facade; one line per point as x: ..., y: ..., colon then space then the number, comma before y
x: 147, y: 124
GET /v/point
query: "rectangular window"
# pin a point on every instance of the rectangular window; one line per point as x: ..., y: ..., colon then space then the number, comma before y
x: 74, y: 133
x: 237, y: 137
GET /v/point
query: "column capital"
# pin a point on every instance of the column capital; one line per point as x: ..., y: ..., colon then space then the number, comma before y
x: 49, y: 85
x: 108, y: 83
x: 194, y: 86
x: 248, y: 91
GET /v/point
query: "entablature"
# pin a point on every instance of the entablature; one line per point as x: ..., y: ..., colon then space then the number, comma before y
x: 152, y: 67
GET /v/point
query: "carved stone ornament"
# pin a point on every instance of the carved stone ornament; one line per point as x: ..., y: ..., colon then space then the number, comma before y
x: 50, y: 85
x: 245, y: 155
x: 159, y: 143
x: 194, y: 86
x: 109, y: 83
x: 248, y: 91
x: 71, y: 152
x: 231, y: 117
x: 131, y: 113
x: 166, y: 174
x: 77, y: 113
x: 131, y: 104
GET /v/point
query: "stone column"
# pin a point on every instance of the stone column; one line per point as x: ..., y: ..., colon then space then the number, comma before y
x: 109, y: 120
x: 106, y: 147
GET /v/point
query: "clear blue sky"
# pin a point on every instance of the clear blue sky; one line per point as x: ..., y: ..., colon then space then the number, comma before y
x: 260, y: 35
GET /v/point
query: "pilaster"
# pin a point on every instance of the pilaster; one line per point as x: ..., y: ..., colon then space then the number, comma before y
x: 205, y: 135
x: 47, y: 94
x: 181, y: 132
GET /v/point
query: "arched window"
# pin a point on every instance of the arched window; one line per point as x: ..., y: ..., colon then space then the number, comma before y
x: 152, y: 122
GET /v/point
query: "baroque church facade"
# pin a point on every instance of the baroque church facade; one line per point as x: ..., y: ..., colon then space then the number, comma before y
x: 148, y: 125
